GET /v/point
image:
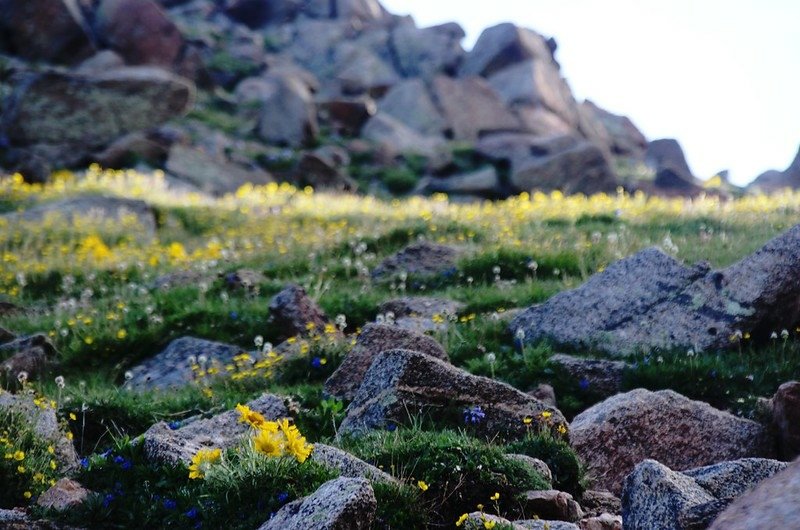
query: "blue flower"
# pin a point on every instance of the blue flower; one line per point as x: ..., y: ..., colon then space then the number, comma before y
x: 584, y: 384
x: 85, y: 463
x: 316, y: 362
x: 106, y: 453
x: 191, y: 513
x: 174, y: 425
x: 109, y: 497
x: 169, y: 504
x: 282, y: 496
x: 391, y: 427
x: 234, y: 315
x: 474, y: 415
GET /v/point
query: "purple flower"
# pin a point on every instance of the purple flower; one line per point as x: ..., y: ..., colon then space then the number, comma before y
x: 170, y: 504
x: 85, y: 463
x: 109, y: 497
x: 282, y: 496
x: 474, y: 415
x: 584, y: 384
x: 391, y: 427
x: 174, y: 425
x: 234, y: 315
x: 191, y: 513
x: 316, y: 362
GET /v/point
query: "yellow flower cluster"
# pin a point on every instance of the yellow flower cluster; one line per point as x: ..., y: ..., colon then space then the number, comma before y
x: 275, y: 438
x: 202, y: 461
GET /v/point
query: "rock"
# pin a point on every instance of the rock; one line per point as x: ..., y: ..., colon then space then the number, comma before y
x: 773, y: 502
x: 209, y: 173
x: 552, y: 505
x: 604, y: 521
x: 541, y: 122
x: 666, y: 157
x: 45, y: 426
x: 7, y: 309
x: 396, y: 138
x: 139, y: 31
x: 786, y: 417
x: 45, y: 30
x: 478, y: 520
x: 323, y: 169
x: 64, y: 494
x: 728, y: 480
x: 545, y: 393
x: 150, y: 147
x: 649, y: 301
x: 27, y: 342
x: 487, y: 113
x: 582, y: 168
x: 348, y: 465
x: 288, y: 114
x: 427, y: 52
x: 421, y: 259
x: 624, y: 137
x: 483, y: 182
x: 399, y: 381
x: 291, y: 310
x: 600, y: 377
x: 32, y: 361
x: 534, y: 463
x: 6, y: 336
x: 172, y: 446
x: 654, y: 496
x: 504, y: 45
x: 360, y: 71
x: 519, y: 147
x: 89, y: 111
x: 247, y: 280
x: 172, y: 368
x: 339, y: 504
x: 540, y: 524
x: 410, y: 103
x: 417, y: 313
x: 349, y: 115
x: 539, y: 84
x: 257, y: 13
x: 374, y: 339
x: 774, y: 180
x: 596, y: 502
x: 364, y: 11
x: 618, y: 433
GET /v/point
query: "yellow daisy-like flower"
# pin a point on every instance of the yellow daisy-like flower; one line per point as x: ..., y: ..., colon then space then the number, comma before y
x: 253, y: 418
x: 489, y: 524
x: 422, y: 485
x: 27, y: 494
x: 462, y: 519
x: 546, y: 414
x: 268, y: 443
x: 202, y: 461
x: 19, y: 455
x: 527, y: 420
x: 495, y: 496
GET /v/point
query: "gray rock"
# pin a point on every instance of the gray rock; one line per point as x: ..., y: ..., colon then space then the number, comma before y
x: 400, y: 381
x: 291, y: 310
x: 545, y: 393
x: 348, y: 465
x: 6, y: 336
x: 597, y: 502
x: 476, y: 520
x: 172, y: 368
x: 654, y: 496
x: 361, y: 71
x: 45, y: 425
x: 396, y: 138
x: 534, y: 463
x: 604, y: 521
x: 348, y: 115
x: 623, y: 137
x: 728, y: 480
x: 786, y: 418
x: 210, y: 174
x: 487, y: 112
x: 85, y: 112
x: 772, y: 504
x: 288, y: 113
x: 774, y: 180
x: 374, y: 339
x: 540, y: 524
x: 601, y: 377
x: 339, y: 504
x: 541, y: 122
x: 64, y: 494
x: 410, y: 103
x: 504, y: 45
x: 171, y: 446
x: 482, y: 182
x: 666, y: 157
x: 426, y: 52
x: 322, y: 169
x: 422, y: 259
x: 416, y: 313
x: 649, y: 301
x: 551, y: 505
x: 618, y: 433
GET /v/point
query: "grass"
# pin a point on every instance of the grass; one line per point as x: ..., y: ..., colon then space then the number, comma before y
x: 92, y: 288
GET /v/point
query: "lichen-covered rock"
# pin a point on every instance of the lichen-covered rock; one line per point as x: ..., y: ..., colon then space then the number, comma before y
x: 400, y: 381
x: 176, y: 366
x: 293, y: 312
x: 605, y: 521
x: 410, y: 103
x: 374, y: 339
x: 348, y: 465
x: 66, y: 493
x: 422, y: 258
x: 615, y: 435
x: 541, y: 524
x: 649, y: 301
x: 339, y: 504
x: 163, y: 443
x: 534, y: 463
x: 211, y: 174
x: 420, y: 313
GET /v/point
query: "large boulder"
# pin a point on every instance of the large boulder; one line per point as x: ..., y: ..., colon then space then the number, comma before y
x: 599, y: 377
x: 168, y: 444
x: 400, y: 382
x: 339, y: 504
x: 31, y: 354
x: 786, y: 418
x: 541, y: 122
x: 624, y: 138
x: 86, y: 111
x: 504, y: 45
x: 324, y: 168
x: 772, y: 504
x: 613, y: 436
x: 484, y: 182
x: 374, y: 339
x: 422, y: 258
x: 209, y: 173
x: 288, y: 115
x: 665, y: 156
x: 258, y: 13
x: 774, y: 180
x: 348, y: 465
x: 45, y: 30
x: 140, y: 31
x: 649, y: 301
x: 426, y: 52
x: 396, y: 138
x: 655, y: 496
x: 361, y: 71
x: 410, y: 103
x: 293, y: 312
x: 487, y: 112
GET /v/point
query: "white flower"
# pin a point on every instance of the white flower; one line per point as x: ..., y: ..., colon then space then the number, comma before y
x: 192, y: 360
x: 202, y: 359
x: 491, y: 357
x: 773, y: 335
x: 128, y: 375
x: 520, y: 334
x: 22, y: 377
x: 690, y: 353
x: 267, y: 348
x: 259, y: 341
x: 60, y: 381
x: 784, y: 334
x: 496, y: 270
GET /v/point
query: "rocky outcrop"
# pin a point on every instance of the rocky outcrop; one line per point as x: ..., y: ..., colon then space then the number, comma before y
x: 339, y: 504
x: 293, y: 312
x: 774, y: 180
x: 649, y: 301
x: 211, y: 174
x: 615, y: 435
x: 400, y: 381
x: 487, y: 112
x: 374, y: 339
x: 504, y: 45
x: 348, y: 465
x: 665, y: 156
x: 287, y: 112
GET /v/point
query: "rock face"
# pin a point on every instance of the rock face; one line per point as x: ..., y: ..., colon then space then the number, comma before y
x: 773, y: 180
x: 615, y: 435
x: 649, y: 301
x: 167, y: 445
x: 374, y: 339
x: 292, y: 311
x: 423, y: 259
x: 772, y: 503
x: 45, y: 30
x: 623, y: 137
x: 487, y: 112
x: 666, y: 157
x: 786, y: 417
x: 654, y: 496
x: 410, y: 103
x: 339, y: 504
x: 504, y: 45
x: 400, y: 381
x: 89, y: 111
x: 172, y: 368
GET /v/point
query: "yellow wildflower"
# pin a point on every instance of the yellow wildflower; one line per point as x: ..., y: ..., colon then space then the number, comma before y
x: 268, y: 443
x: 422, y: 485
x: 202, y: 461
x: 462, y: 519
x: 253, y: 418
x: 495, y: 496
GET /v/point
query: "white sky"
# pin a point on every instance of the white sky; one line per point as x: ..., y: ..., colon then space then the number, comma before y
x: 723, y: 77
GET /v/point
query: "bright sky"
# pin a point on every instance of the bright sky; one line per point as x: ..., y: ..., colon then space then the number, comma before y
x: 721, y: 76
